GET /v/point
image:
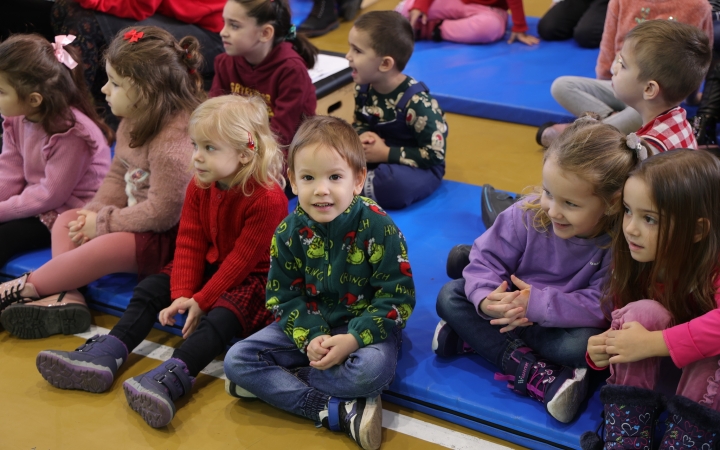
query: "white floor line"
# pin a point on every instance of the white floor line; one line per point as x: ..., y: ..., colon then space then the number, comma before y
x: 392, y: 421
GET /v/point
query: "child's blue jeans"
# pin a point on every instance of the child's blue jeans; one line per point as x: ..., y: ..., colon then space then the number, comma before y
x: 269, y: 365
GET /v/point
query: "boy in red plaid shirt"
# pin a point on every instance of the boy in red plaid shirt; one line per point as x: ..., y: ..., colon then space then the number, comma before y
x: 661, y: 62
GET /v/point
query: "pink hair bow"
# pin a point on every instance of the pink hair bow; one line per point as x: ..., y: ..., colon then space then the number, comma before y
x: 61, y: 54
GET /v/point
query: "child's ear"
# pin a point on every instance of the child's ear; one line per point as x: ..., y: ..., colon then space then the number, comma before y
x: 35, y: 99
x: 652, y: 90
x: 267, y: 33
x: 291, y: 178
x: 614, y: 206
x: 387, y: 64
x: 360, y: 181
x: 701, y: 229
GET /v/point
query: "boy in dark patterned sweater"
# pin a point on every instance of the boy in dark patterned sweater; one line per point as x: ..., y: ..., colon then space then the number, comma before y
x: 340, y: 288
x: 402, y: 128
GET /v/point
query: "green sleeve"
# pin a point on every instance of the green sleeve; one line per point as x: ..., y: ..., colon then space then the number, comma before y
x: 427, y: 121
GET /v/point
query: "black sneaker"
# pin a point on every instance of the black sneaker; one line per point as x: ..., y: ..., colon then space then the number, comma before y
x: 361, y: 419
x: 322, y: 19
x: 458, y: 259
x: 446, y: 342
x: 493, y: 203
x: 349, y: 8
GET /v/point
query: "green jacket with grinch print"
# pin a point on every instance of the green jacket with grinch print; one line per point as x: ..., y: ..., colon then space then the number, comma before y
x: 353, y: 270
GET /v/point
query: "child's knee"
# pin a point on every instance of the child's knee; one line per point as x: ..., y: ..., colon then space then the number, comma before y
x: 449, y: 295
x: 649, y: 313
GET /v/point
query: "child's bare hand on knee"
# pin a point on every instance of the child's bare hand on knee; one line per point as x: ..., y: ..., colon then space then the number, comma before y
x: 167, y: 316
x: 634, y: 343
x: 194, y: 314
x: 89, y: 228
x: 315, y: 351
x: 340, y: 346
x: 597, y: 349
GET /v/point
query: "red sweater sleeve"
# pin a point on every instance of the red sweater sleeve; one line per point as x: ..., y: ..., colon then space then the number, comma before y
x: 518, y: 16
x: 129, y: 9
x: 262, y: 216
x: 422, y: 5
x: 191, y: 247
x: 295, y: 95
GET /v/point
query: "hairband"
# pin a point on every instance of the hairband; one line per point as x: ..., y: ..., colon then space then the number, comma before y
x: 634, y: 143
x: 251, y: 142
x: 61, y: 54
x: 133, y: 35
x: 292, y: 34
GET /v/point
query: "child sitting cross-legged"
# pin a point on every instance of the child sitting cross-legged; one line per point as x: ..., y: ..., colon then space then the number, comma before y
x: 340, y: 288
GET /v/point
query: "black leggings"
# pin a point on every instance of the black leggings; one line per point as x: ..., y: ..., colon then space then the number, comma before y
x: 583, y: 20
x: 22, y: 235
x: 212, y: 335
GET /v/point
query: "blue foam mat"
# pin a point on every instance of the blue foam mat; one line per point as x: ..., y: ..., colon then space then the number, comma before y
x: 462, y: 389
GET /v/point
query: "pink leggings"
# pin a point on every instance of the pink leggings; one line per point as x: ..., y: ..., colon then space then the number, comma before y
x: 699, y: 381
x: 462, y: 22
x: 72, y: 267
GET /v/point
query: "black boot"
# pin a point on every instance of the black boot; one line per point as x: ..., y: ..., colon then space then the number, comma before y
x: 493, y: 203
x: 708, y: 113
x: 349, y: 8
x: 322, y: 19
x: 691, y: 425
x: 458, y: 259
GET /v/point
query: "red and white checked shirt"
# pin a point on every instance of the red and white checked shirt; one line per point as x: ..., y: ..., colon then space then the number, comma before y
x: 669, y: 131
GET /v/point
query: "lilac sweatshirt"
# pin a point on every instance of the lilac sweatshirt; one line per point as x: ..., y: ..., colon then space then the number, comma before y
x: 41, y: 173
x: 566, y: 274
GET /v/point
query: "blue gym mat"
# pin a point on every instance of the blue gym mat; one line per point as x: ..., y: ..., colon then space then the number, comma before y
x: 461, y: 389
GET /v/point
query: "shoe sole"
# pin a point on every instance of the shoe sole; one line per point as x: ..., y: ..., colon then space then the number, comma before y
x: 370, y: 430
x: 236, y: 391
x: 34, y: 322
x: 152, y: 407
x: 316, y: 33
x: 564, y: 405
x: 64, y: 373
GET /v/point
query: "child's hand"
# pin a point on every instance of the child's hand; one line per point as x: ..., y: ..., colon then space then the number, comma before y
x: 375, y: 149
x: 340, y: 346
x: 634, y: 343
x: 89, y: 229
x: 315, y: 350
x: 74, y: 230
x: 512, y: 307
x: 416, y: 14
x: 494, y: 298
x: 167, y: 316
x: 596, y: 350
x: 524, y: 38
x: 194, y: 313
x: 368, y: 137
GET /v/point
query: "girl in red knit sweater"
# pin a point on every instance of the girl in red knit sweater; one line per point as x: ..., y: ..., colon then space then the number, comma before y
x: 218, y: 276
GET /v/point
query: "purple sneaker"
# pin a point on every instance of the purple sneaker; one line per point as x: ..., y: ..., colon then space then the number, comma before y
x: 91, y: 367
x: 446, y: 342
x: 153, y: 394
x: 562, y: 389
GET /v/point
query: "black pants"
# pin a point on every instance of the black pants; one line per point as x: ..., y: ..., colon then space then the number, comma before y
x: 212, y: 335
x: 22, y: 235
x: 582, y: 19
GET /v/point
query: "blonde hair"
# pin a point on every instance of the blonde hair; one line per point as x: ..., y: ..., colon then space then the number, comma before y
x: 597, y: 153
x: 234, y: 120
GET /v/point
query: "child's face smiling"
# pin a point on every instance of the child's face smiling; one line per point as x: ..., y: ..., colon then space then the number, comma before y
x: 640, y: 220
x: 324, y: 182
x: 364, y: 62
x: 570, y: 202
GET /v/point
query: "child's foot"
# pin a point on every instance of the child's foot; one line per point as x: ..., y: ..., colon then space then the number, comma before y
x: 17, y: 290
x: 91, y: 367
x: 236, y: 391
x: 361, y: 419
x: 64, y: 313
x: 458, y: 259
x: 562, y: 389
x: 153, y: 394
x: 446, y: 342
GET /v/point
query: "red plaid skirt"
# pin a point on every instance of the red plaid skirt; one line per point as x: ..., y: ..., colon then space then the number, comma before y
x: 154, y: 250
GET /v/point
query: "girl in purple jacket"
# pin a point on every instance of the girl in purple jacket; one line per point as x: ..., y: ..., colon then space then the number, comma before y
x: 530, y: 297
x: 666, y: 249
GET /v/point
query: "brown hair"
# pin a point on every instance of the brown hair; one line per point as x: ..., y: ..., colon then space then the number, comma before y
x: 165, y: 74
x: 675, y: 55
x: 390, y: 35
x: 28, y: 62
x: 278, y: 14
x: 330, y: 132
x: 684, y: 186
x: 597, y: 153
x: 227, y: 120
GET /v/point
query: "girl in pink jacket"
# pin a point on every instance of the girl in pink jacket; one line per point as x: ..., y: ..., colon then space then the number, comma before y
x: 668, y: 250
x: 54, y: 148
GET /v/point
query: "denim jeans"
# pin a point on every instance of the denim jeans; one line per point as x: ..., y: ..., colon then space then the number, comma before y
x: 581, y: 94
x: 566, y: 346
x: 269, y: 365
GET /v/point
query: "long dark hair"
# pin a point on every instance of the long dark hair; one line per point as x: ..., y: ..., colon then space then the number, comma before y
x: 29, y: 63
x: 277, y: 13
x: 165, y: 74
x: 684, y: 186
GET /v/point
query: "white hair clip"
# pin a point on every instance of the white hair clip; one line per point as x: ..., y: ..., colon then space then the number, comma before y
x: 633, y: 141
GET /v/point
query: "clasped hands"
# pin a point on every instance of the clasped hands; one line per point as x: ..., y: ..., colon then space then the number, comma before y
x: 180, y: 306
x: 376, y: 151
x: 326, y: 351
x: 633, y: 342
x: 508, y: 308
x: 84, y: 228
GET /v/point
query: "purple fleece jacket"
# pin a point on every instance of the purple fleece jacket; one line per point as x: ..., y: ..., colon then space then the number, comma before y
x: 566, y: 275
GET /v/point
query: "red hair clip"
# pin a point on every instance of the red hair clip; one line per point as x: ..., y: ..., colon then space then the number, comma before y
x: 133, y: 35
x: 251, y: 143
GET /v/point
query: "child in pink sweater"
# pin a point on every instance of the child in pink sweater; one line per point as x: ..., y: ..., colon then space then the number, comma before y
x: 130, y: 224
x: 55, y: 149
x: 667, y: 250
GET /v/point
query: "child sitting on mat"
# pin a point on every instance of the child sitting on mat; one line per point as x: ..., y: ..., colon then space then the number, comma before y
x: 401, y: 126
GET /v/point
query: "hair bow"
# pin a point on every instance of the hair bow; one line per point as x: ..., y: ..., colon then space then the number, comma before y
x: 251, y: 142
x: 633, y: 141
x: 61, y: 54
x: 133, y: 35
